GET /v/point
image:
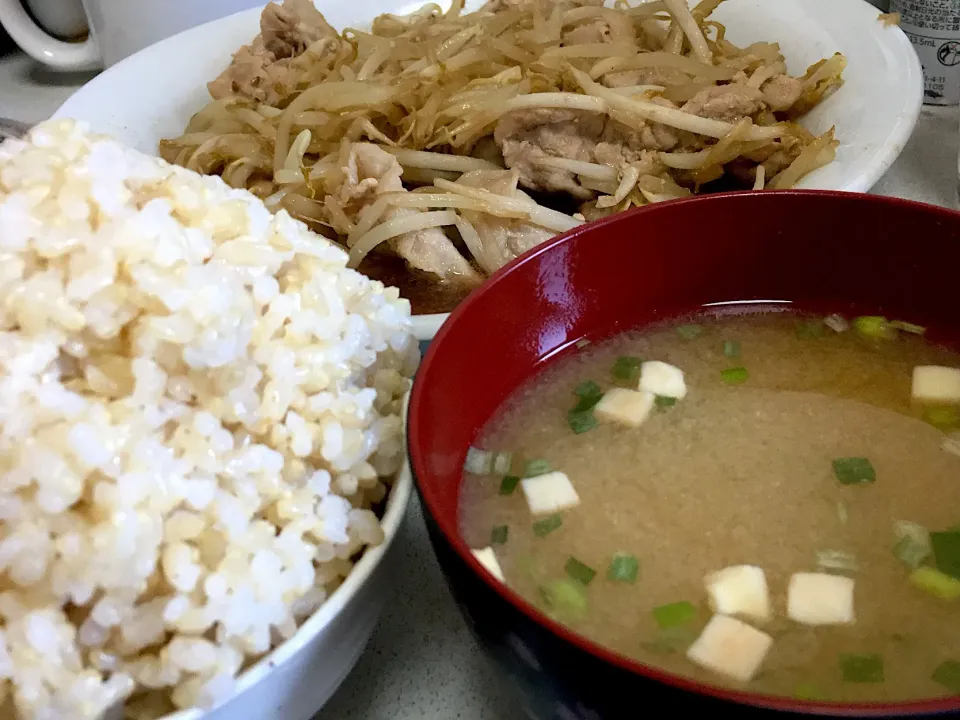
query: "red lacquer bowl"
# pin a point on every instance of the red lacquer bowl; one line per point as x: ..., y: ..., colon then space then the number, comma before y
x: 825, y: 251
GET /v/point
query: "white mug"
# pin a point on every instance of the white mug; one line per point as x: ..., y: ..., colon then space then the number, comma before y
x: 117, y: 28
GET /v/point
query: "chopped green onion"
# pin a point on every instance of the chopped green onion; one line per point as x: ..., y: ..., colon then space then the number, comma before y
x: 809, y: 329
x: 627, y: 369
x: 731, y: 348
x: 837, y: 323
x: 588, y: 388
x: 544, y: 527
x: 582, y: 343
x: 908, y: 327
x: 854, y: 471
x: 509, y: 484
x: 807, y: 691
x: 689, y: 332
x: 942, y: 417
x: 580, y: 572
x: 913, y: 543
x: 499, y: 535
x: 910, y: 553
x: 587, y: 402
x: 536, y: 467
x: 502, y: 462
x: 589, y: 393
x: 874, y: 326
x: 674, y: 614
x: 582, y: 421
x: 734, y: 375
x: 905, y: 528
x: 580, y: 418
x: 843, y: 512
x: 623, y: 568
x: 566, y: 597
x: 936, y: 583
x: 478, y: 461
x: 662, y: 401
x: 837, y: 561
x: 947, y: 675
x: 862, y: 668
x: 946, y: 552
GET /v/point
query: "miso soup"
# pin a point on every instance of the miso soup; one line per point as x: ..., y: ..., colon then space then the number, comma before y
x: 763, y: 501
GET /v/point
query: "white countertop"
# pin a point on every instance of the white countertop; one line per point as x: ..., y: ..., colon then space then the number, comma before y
x: 422, y: 661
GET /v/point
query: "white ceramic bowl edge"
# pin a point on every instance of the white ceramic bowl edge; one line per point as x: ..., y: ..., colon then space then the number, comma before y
x: 295, y: 680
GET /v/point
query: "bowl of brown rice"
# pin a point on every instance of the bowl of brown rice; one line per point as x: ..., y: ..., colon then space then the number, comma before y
x: 201, y: 442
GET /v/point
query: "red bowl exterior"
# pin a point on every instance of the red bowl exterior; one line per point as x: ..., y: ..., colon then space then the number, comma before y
x: 821, y: 250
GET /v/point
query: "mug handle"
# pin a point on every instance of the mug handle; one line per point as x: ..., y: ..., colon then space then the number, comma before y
x: 43, y: 47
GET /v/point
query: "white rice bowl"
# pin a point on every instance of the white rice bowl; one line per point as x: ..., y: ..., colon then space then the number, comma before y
x: 200, y: 412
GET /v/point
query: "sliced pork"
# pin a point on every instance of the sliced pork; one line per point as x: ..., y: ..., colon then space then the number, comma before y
x: 530, y: 139
x: 501, y: 239
x: 264, y: 70
x: 370, y: 172
x: 725, y: 102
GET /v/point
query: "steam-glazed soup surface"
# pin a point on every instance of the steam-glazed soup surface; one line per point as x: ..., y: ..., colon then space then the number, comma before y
x: 760, y: 500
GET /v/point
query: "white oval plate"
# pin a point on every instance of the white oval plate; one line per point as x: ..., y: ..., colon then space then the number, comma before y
x: 151, y: 95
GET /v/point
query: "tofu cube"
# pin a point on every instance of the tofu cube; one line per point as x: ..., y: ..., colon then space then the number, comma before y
x: 660, y: 378
x: 549, y: 493
x: 820, y: 599
x: 740, y: 590
x: 935, y: 383
x: 488, y: 558
x: 730, y: 647
x: 625, y: 407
